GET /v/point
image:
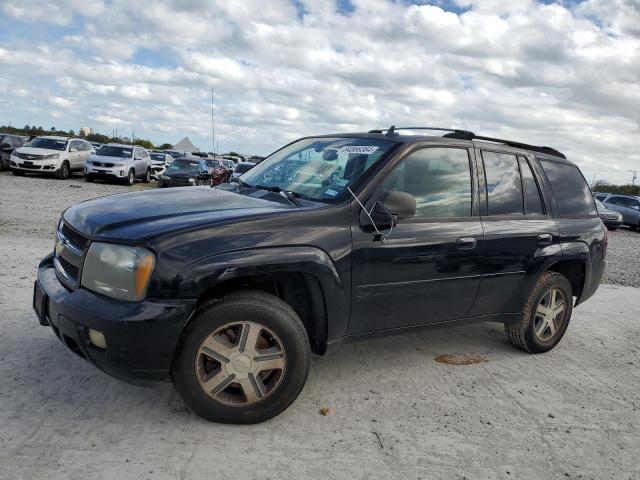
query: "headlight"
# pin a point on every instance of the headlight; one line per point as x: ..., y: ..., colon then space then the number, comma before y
x: 192, y: 180
x: 620, y: 216
x: 118, y: 271
x: 53, y: 156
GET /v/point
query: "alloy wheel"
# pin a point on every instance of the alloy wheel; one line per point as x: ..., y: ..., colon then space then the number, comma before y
x: 549, y: 315
x: 240, y: 363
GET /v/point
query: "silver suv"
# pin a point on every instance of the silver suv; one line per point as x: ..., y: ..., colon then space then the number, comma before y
x: 115, y: 161
x: 627, y: 205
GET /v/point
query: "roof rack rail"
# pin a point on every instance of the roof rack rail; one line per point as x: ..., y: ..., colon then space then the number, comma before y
x: 468, y: 135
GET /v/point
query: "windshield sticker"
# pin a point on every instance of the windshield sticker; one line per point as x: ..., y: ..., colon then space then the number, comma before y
x: 331, y: 192
x: 341, y: 182
x: 361, y: 149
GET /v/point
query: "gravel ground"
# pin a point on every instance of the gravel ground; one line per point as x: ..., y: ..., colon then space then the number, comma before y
x: 442, y: 403
x: 623, y: 258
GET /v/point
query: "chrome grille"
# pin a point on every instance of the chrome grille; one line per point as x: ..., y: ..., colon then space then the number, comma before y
x: 29, y: 156
x: 69, y: 255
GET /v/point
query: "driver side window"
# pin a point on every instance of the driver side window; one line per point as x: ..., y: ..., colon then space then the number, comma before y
x: 438, y: 178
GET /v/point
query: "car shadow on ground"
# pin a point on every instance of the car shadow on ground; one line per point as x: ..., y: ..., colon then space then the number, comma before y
x: 73, y: 387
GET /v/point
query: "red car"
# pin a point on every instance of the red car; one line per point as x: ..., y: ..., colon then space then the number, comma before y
x: 219, y: 174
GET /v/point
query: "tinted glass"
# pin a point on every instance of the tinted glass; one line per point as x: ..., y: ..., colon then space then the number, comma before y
x: 532, y: 199
x: 243, y: 167
x: 438, y: 178
x: 109, y: 151
x: 184, y: 166
x: 158, y: 156
x: 48, y: 143
x: 570, y: 189
x: 504, y: 187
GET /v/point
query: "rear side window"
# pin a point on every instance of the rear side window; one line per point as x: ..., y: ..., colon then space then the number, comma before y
x: 532, y: 199
x: 570, y: 189
x: 504, y: 187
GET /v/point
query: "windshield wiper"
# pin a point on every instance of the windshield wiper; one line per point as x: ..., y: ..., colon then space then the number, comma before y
x: 284, y: 193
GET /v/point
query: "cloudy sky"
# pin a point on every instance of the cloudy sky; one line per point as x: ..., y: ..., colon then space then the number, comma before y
x: 561, y: 74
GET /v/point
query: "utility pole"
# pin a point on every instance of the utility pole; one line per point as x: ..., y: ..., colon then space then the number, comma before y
x: 213, y: 127
x: 635, y: 175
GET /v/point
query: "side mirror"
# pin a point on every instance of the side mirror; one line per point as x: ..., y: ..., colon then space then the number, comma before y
x: 393, y: 206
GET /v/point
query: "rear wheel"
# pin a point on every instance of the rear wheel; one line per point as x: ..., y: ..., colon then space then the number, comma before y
x: 243, y: 360
x: 545, y: 317
x: 63, y: 172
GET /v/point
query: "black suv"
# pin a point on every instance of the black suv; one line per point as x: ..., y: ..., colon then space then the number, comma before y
x: 227, y: 290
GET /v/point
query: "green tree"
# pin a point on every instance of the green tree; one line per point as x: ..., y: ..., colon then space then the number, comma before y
x: 165, y: 146
x: 144, y: 143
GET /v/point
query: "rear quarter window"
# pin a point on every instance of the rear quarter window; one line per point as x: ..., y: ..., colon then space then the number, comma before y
x: 570, y: 189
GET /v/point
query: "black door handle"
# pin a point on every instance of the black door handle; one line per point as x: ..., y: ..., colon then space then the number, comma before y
x: 544, y: 239
x: 466, y: 243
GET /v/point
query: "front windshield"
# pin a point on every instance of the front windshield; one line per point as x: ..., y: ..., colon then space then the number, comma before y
x: 48, y: 143
x: 110, y: 151
x: 183, y: 166
x: 318, y: 168
x: 158, y: 156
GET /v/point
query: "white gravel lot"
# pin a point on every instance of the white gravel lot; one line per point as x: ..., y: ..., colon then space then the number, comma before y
x: 394, y: 412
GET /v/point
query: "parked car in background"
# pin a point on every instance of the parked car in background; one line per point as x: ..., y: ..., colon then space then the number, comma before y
x: 159, y: 163
x: 186, y: 172
x: 115, y: 161
x: 219, y: 173
x: 241, y: 168
x: 8, y: 143
x: 230, y: 165
x: 227, y: 290
x: 627, y: 205
x: 96, y: 145
x: 600, y: 196
x: 51, y: 155
x: 611, y: 218
x: 179, y: 154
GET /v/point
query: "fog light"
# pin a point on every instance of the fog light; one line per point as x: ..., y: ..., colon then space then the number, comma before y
x: 122, y: 173
x: 97, y: 339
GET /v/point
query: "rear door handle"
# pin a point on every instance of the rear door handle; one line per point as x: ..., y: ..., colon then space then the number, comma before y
x: 466, y: 243
x: 544, y: 239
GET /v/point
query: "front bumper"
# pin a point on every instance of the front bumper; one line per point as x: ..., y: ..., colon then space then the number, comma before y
x: 141, y: 337
x: 106, y: 172
x: 36, y: 166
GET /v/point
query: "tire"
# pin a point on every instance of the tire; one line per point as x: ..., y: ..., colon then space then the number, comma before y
x: 147, y: 176
x: 19, y: 173
x: 63, y: 171
x: 88, y: 178
x: 276, y: 321
x: 131, y: 178
x: 612, y: 229
x: 523, y: 333
x: 198, y: 183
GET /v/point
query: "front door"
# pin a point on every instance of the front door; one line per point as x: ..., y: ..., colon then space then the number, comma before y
x: 428, y: 269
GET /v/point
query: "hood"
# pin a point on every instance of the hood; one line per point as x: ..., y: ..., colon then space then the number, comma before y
x: 140, y: 215
x: 108, y: 159
x: 183, y: 175
x: 38, y: 151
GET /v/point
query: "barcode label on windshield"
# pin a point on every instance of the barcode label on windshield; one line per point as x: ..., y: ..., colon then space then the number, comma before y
x: 362, y: 149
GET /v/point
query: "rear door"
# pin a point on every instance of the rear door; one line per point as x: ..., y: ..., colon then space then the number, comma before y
x: 428, y: 269
x: 517, y: 225
x: 76, y: 159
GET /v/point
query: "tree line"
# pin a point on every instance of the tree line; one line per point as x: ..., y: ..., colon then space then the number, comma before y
x: 32, y: 130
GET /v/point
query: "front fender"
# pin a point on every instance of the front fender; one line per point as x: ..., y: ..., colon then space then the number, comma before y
x: 206, y: 272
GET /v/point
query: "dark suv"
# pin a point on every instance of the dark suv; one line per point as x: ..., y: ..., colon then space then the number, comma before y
x: 8, y: 143
x: 227, y: 290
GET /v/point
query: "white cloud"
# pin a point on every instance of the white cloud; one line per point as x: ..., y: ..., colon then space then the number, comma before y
x: 565, y: 76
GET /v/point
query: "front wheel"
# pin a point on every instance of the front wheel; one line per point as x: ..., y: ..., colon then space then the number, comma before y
x: 63, y: 172
x: 131, y: 176
x: 242, y: 360
x: 147, y: 176
x: 545, y: 317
